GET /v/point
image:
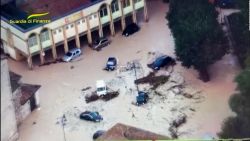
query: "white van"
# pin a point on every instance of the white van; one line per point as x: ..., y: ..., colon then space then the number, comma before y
x: 101, y: 88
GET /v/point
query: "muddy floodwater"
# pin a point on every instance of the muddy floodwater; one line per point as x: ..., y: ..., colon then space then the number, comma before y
x: 62, y: 84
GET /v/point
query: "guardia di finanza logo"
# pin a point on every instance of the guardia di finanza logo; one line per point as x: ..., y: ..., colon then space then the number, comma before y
x: 32, y: 19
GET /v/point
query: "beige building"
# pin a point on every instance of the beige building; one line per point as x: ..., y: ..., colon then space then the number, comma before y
x: 70, y: 19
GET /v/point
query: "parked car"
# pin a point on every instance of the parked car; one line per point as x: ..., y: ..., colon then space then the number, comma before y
x: 111, y: 64
x: 91, y: 116
x: 72, y: 54
x: 100, y: 43
x: 98, y: 133
x: 142, y: 98
x: 225, y: 3
x: 161, y: 61
x: 130, y: 29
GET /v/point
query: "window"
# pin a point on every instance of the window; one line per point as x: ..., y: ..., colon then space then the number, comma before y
x: 59, y: 30
x: 103, y: 11
x: 126, y: 3
x: 79, y: 22
x: 71, y: 25
x: 83, y: 20
x: 54, y: 32
x: 32, y: 41
x: 44, y: 35
x: 114, y: 6
x: 95, y: 16
x: 90, y: 17
x: 67, y: 27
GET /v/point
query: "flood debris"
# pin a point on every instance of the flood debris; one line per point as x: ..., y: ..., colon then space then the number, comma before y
x: 91, y: 98
x: 94, y: 97
x: 110, y: 95
x: 87, y: 88
x: 175, y: 124
x: 153, y: 80
x: 51, y: 62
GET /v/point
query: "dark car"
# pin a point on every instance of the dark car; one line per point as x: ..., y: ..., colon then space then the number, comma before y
x: 225, y: 3
x: 91, y: 116
x: 130, y: 29
x: 161, y: 61
x: 111, y: 64
x: 142, y: 98
x: 100, y: 43
x: 98, y: 133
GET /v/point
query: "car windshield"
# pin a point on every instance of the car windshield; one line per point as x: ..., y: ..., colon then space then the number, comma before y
x: 101, y: 89
x: 159, y: 60
x: 94, y: 114
x: 110, y: 63
x: 68, y: 54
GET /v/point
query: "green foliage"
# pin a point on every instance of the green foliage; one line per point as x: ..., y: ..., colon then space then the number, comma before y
x: 235, y: 127
x: 198, y: 37
x: 238, y: 127
x: 241, y: 35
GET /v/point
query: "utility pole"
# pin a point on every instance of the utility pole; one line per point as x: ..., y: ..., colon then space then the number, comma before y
x: 63, y: 120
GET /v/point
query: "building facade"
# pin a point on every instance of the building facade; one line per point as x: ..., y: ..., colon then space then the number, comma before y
x: 25, y: 43
x: 8, y: 117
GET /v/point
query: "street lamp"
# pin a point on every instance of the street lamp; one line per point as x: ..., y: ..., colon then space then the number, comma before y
x: 63, y: 121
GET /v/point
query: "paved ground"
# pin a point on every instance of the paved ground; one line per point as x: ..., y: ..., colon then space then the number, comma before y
x: 61, y: 86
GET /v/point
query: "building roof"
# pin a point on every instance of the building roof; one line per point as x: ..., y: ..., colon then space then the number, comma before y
x: 55, y: 8
x: 125, y: 132
x: 14, y: 80
x: 27, y: 91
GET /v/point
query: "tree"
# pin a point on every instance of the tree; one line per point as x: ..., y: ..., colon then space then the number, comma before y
x: 239, y: 24
x: 238, y: 127
x: 199, y: 38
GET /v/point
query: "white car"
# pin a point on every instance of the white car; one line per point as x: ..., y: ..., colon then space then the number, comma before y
x: 72, y: 54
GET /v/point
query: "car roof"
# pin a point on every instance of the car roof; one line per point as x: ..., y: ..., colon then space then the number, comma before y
x: 111, y: 58
x: 100, y: 83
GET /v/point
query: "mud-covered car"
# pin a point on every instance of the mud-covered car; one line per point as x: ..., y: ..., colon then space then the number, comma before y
x: 91, y: 116
x: 161, y: 61
x: 130, y: 29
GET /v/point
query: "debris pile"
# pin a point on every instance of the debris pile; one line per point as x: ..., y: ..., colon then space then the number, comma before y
x: 94, y: 97
x: 153, y: 80
x: 175, y: 124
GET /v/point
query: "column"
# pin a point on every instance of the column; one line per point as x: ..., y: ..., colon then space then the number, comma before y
x: 89, y: 31
x: 78, y: 45
x: 29, y: 57
x: 41, y: 49
x: 112, y: 29
x: 100, y: 24
x: 54, y: 53
x: 134, y: 11
x: 66, y: 46
x: 121, y: 2
x: 145, y: 11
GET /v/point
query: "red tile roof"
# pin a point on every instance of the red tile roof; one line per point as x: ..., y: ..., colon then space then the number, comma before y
x: 27, y: 92
x: 54, y: 7
x: 125, y: 132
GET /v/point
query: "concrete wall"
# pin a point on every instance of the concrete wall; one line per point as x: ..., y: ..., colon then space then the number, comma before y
x: 23, y: 111
x: 8, y: 118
